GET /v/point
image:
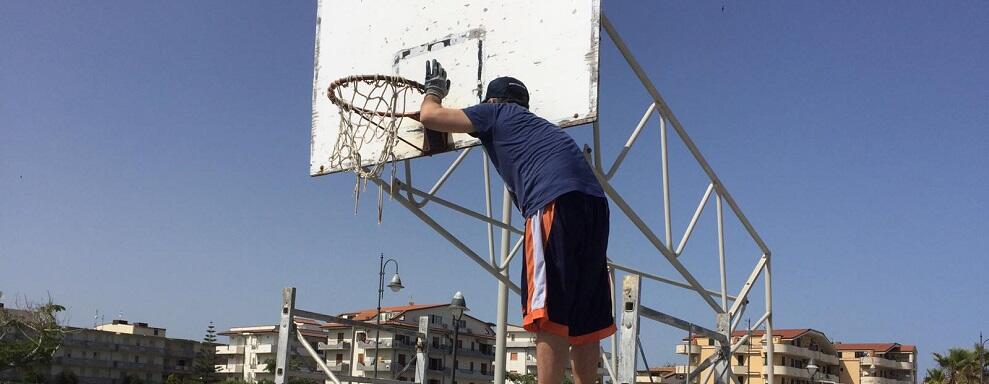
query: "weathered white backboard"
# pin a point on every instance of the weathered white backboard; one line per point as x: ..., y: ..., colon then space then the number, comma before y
x: 550, y: 45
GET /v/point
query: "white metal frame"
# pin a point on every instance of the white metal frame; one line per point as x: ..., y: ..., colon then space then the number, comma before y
x: 728, y: 309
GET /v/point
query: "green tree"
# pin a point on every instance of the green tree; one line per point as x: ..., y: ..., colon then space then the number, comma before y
x: 29, y: 338
x: 957, y: 365
x: 204, y: 365
x: 132, y: 379
x: 66, y: 377
x: 174, y: 379
x: 935, y: 376
x: 519, y: 378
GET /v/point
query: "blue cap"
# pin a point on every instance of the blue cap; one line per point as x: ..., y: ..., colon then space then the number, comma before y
x: 508, y: 88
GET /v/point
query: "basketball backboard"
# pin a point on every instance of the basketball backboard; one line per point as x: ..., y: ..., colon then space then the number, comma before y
x: 551, y: 45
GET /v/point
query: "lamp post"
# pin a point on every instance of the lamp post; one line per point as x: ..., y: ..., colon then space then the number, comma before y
x: 982, y: 363
x: 457, y: 307
x: 812, y: 369
x: 395, y: 285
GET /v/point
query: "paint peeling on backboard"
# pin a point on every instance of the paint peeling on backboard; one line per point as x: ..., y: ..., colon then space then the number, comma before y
x: 533, y: 41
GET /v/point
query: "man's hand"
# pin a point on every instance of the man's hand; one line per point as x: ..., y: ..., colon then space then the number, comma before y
x: 436, y: 82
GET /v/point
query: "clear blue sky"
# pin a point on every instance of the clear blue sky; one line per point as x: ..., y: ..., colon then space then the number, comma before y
x: 154, y: 158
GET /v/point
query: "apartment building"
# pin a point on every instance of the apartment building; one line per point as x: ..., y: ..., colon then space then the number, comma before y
x: 794, y: 350
x: 520, y: 345
x: 351, y: 350
x: 659, y: 375
x: 250, y: 352
x: 111, y: 352
x: 877, y: 363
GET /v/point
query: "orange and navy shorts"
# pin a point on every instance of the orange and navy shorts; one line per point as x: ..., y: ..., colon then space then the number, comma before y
x: 565, y: 285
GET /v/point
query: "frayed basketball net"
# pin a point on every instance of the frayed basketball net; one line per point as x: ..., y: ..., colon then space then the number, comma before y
x: 372, y: 108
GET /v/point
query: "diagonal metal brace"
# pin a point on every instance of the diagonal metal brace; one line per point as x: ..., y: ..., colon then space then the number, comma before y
x: 684, y: 325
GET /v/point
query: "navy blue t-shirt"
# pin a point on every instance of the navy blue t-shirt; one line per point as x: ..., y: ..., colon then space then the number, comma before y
x: 537, y: 160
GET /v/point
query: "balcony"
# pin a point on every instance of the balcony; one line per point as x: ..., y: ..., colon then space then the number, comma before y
x: 684, y: 369
x: 383, y: 366
x: 475, y: 353
x: 683, y: 348
x: 338, y: 366
x: 230, y: 350
x: 885, y: 363
x: 804, y: 374
x: 530, y: 361
x: 386, y: 344
x: 466, y: 373
x: 140, y: 348
x: 794, y: 350
x: 144, y: 366
x: 230, y: 368
x: 742, y: 370
x: 883, y: 380
x: 520, y: 344
x: 83, y: 362
x: 333, y: 345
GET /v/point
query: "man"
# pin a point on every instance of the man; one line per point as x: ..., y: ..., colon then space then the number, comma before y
x: 566, y: 297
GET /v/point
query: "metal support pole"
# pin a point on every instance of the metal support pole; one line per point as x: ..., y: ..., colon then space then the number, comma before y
x: 285, y: 326
x: 721, y: 256
x: 666, y: 179
x: 502, y: 323
x: 422, y: 349
x: 486, y: 170
x: 768, y: 337
x: 614, y: 316
x: 316, y: 357
x: 625, y: 368
x: 596, y: 128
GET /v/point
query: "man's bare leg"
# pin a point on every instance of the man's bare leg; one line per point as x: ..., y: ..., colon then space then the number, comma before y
x: 551, y: 357
x: 585, y: 362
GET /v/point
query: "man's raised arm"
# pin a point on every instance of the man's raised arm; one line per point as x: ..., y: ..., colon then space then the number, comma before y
x: 432, y: 115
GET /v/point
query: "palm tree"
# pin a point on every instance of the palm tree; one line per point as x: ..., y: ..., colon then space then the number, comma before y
x: 934, y: 376
x: 957, y: 366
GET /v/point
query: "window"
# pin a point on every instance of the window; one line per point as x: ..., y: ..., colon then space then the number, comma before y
x: 361, y: 336
x: 360, y: 358
x: 436, y: 342
x: 472, y: 366
x: 859, y: 354
x: 401, y: 358
x: 484, y: 369
x: 435, y: 364
x: 515, y: 356
x: 137, y: 359
x: 460, y: 344
x: 710, y: 342
x: 340, y: 336
x: 435, y: 319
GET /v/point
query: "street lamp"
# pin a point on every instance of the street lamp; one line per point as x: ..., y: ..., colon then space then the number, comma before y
x: 812, y: 369
x: 982, y: 362
x: 457, y: 307
x: 395, y: 285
